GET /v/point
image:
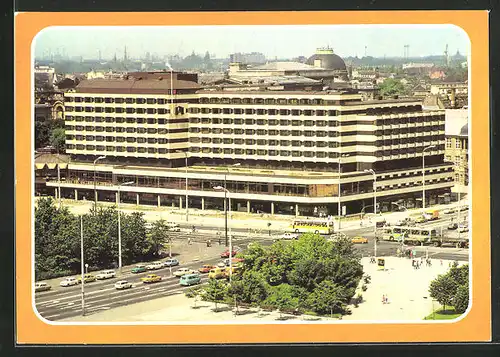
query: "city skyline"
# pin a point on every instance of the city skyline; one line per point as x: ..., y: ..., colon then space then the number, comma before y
x: 272, y: 41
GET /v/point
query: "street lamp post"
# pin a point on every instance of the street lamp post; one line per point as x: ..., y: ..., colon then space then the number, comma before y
x: 82, y: 265
x: 340, y: 205
x: 423, y: 174
x: 374, y: 209
x: 226, y: 194
x: 95, y: 188
x: 120, y: 226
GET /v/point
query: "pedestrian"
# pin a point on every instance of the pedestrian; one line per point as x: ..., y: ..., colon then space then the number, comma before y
x: 189, y: 240
x: 418, y: 264
x: 209, y: 242
x: 383, y: 299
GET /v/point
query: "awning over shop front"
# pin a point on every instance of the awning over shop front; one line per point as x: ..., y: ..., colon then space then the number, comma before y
x: 51, y: 166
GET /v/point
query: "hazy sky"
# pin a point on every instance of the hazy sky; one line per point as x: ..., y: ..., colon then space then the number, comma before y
x: 279, y: 41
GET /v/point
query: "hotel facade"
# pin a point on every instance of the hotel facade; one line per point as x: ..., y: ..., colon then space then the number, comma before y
x: 279, y: 152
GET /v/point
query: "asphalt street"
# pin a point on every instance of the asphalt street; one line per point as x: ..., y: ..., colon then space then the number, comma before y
x: 65, y: 302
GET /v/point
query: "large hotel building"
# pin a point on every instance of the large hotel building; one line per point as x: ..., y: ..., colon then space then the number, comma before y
x: 277, y: 151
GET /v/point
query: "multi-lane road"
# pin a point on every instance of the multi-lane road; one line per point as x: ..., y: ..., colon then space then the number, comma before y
x: 60, y: 303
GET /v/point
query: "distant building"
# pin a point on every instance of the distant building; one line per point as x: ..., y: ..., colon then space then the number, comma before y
x: 457, y: 143
x: 249, y: 58
x: 45, y: 75
x: 437, y: 74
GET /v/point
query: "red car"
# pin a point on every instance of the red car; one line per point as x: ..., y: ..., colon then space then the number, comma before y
x: 225, y: 254
x: 206, y: 268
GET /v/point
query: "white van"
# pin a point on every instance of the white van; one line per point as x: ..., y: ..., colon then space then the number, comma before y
x: 106, y: 274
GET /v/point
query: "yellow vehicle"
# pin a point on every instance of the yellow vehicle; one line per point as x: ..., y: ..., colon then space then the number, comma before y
x: 216, y: 273
x: 317, y: 226
x: 359, y: 240
x: 235, y: 270
x: 87, y: 278
x: 151, y: 278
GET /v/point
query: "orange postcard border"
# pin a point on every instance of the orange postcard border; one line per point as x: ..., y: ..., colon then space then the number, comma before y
x: 475, y: 326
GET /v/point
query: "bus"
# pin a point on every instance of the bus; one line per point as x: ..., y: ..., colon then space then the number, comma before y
x: 410, y: 235
x: 312, y: 226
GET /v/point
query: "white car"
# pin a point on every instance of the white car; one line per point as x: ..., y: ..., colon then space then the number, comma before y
x: 450, y: 211
x: 463, y: 227
x: 290, y: 236
x: 154, y: 266
x: 106, y: 274
x: 70, y: 281
x: 122, y: 284
x: 184, y: 271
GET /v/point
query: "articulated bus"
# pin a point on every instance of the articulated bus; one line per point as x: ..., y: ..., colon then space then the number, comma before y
x: 410, y: 235
x: 312, y: 226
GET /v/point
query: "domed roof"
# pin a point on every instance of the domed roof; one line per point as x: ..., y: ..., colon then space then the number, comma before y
x: 328, y: 60
x: 464, y: 131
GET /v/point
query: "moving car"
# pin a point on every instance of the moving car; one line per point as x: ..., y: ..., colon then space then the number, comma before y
x: 184, y: 271
x: 70, y: 281
x: 139, y: 269
x: 205, y: 268
x: 463, y: 227
x: 420, y: 219
x: 88, y: 278
x: 172, y: 262
x: 217, y: 273
x: 189, y: 279
x: 431, y: 215
x: 290, y: 236
x: 151, y: 278
x: 359, y: 240
x: 42, y: 286
x: 225, y: 254
x: 106, y: 274
x: 122, y: 284
x: 234, y: 261
x: 235, y: 270
x: 452, y: 226
x: 449, y: 211
x: 154, y: 266
x: 173, y: 227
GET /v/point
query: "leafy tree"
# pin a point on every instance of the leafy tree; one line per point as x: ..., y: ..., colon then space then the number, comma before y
x: 391, y: 87
x: 327, y: 297
x: 158, y: 237
x: 283, y: 297
x: 443, y: 289
x: 461, y: 299
x: 42, y: 134
x: 215, y: 291
x: 134, y: 240
x: 58, y: 139
x: 250, y: 287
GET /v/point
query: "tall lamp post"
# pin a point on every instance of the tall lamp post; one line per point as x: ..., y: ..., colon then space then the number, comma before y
x: 120, y: 226
x: 340, y: 171
x: 423, y: 173
x: 458, y: 207
x: 226, y: 194
x: 95, y: 188
x: 82, y: 265
x: 374, y: 210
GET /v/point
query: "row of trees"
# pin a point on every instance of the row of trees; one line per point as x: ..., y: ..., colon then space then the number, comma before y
x: 58, y: 239
x: 309, y: 274
x: 452, y: 289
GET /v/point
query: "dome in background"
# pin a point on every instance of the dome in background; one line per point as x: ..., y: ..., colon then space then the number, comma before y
x: 464, y: 131
x: 325, y: 58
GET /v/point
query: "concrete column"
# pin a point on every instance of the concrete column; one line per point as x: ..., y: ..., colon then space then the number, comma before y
x: 76, y: 194
x: 159, y: 201
x: 272, y: 208
x: 180, y: 202
x: 116, y: 198
x: 296, y: 210
x: 203, y: 203
x: 248, y: 206
x: 137, y: 198
x: 55, y: 193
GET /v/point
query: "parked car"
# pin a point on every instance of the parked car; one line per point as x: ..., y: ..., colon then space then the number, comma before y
x: 151, y: 278
x: 216, y: 273
x: 205, y: 268
x: 41, y: 286
x: 122, y: 284
x: 172, y: 262
x: 359, y: 240
x: 225, y: 254
x: 190, y: 279
x: 70, y: 281
x: 452, y: 226
x: 106, y: 274
x: 154, y: 266
x: 139, y: 269
x: 173, y: 227
x: 184, y: 271
x: 88, y: 278
x: 221, y: 265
